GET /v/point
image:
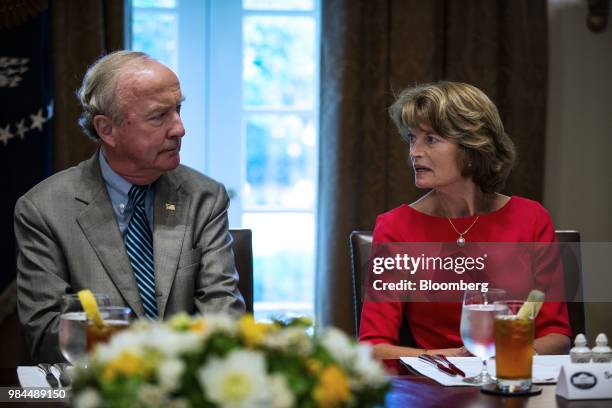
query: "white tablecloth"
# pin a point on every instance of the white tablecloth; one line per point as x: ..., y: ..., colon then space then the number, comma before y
x: 545, y: 369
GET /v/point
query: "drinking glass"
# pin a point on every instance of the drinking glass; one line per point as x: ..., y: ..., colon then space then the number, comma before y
x: 116, y: 318
x: 514, y: 345
x: 477, y: 315
x: 73, y: 320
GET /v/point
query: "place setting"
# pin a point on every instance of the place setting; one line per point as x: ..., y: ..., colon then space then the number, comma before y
x: 44, y: 375
x: 86, y: 320
x: 500, y: 335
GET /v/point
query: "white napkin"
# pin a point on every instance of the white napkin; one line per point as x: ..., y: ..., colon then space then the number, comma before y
x: 545, y: 369
x: 33, y: 376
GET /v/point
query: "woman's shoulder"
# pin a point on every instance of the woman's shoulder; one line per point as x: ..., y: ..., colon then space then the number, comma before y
x: 390, y: 224
x: 526, y: 206
x: 531, y: 217
x: 400, y: 225
x: 401, y: 212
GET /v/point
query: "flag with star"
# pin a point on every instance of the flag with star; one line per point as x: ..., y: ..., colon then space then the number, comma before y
x: 25, y: 116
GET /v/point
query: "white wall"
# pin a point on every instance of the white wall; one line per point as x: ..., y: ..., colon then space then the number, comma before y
x: 578, y: 178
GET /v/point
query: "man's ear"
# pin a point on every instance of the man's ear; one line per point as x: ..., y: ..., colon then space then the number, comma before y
x: 104, y: 128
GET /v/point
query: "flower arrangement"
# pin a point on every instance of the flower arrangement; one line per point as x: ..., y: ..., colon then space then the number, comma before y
x: 215, y: 361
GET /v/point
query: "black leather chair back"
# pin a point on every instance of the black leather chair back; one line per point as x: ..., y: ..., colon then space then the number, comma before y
x: 361, y: 246
x: 243, y: 257
x: 572, y: 271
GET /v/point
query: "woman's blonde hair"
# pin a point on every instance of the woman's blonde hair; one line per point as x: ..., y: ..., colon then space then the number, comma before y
x: 463, y: 114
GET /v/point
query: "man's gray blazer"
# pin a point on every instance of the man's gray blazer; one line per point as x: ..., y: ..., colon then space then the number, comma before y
x: 68, y: 240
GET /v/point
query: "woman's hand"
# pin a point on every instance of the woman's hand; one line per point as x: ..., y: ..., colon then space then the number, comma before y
x: 390, y: 351
x: 552, y: 343
x: 451, y: 352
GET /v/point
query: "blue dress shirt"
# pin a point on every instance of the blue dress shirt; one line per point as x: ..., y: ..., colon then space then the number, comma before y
x: 118, y: 189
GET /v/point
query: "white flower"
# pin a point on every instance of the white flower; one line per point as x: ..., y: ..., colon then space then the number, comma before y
x: 88, y: 398
x: 169, y: 373
x: 370, y: 371
x: 339, y: 346
x: 156, y: 337
x: 123, y: 341
x: 141, y: 324
x: 151, y: 396
x: 281, y: 394
x: 220, y: 323
x: 293, y: 339
x: 170, y: 342
x: 239, y: 380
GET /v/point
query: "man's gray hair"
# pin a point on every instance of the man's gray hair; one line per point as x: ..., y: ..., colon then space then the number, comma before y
x: 97, y: 92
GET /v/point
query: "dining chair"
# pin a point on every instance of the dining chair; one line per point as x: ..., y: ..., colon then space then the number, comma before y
x: 243, y: 257
x: 361, y: 245
x: 572, y: 270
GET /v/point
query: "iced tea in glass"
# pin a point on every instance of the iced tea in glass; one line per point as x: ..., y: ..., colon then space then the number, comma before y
x: 115, y: 319
x: 513, y: 347
x: 73, y: 326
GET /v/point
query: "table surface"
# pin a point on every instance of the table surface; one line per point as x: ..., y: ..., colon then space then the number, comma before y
x: 413, y: 390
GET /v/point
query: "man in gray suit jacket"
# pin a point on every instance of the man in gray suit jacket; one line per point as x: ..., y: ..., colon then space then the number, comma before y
x: 165, y: 252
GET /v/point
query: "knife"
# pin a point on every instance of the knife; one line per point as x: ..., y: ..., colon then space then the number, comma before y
x: 429, y: 359
x: 49, y: 375
x: 451, y: 365
x: 64, y: 378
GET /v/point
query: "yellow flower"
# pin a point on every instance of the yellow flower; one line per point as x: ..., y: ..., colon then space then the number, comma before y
x: 332, y: 389
x: 126, y: 363
x: 198, y: 326
x: 180, y: 322
x: 313, y: 365
x: 253, y: 333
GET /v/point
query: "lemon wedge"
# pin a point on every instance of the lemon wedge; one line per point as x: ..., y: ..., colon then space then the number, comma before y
x: 532, y: 305
x: 88, y: 301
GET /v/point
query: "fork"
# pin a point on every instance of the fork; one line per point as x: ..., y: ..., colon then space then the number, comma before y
x: 64, y: 378
x: 51, y: 380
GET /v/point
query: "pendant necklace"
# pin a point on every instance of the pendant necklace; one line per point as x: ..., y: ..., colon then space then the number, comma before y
x: 460, y: 239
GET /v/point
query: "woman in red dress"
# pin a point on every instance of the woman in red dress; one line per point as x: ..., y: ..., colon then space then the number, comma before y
x: 460, y: 153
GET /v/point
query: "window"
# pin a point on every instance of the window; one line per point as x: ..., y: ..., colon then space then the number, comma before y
x: 153, y: 20
x: 249, y: 71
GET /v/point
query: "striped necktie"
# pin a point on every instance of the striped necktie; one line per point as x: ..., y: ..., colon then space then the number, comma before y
x: 139, y: 245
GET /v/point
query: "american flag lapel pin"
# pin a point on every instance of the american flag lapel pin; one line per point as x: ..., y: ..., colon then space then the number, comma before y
x: 170, y: 207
